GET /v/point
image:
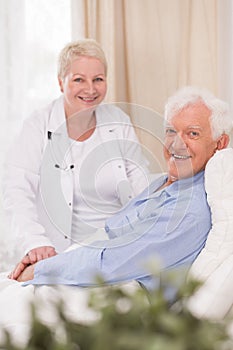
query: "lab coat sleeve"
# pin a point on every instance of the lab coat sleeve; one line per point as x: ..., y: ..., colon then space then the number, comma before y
x: 20, y: 186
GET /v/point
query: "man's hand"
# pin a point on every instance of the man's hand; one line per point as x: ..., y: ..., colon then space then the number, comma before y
x: 27, y: 274
x: 20, y: 267
x: 32, y: 257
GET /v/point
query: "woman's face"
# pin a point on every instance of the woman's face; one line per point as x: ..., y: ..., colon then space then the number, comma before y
x: 84, y: 85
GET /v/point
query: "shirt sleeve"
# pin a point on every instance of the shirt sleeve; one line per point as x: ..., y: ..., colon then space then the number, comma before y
x: 124, y: 258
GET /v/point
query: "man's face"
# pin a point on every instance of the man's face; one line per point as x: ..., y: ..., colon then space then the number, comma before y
x: 188, y: 142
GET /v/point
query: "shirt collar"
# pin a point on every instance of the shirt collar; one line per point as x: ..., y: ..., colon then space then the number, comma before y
x: 176, y: 185
x: 184, y: 184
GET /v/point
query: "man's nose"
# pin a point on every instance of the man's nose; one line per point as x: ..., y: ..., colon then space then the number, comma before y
x: 178, y: 142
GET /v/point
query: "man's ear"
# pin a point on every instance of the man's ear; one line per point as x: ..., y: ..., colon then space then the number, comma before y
x: 60, y: 84
x: 223, y: 141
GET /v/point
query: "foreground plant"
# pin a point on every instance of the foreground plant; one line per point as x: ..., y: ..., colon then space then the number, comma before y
x: 132, y: 320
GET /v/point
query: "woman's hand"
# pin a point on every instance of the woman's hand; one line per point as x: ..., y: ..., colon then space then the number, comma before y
x: 41, y: 253
x: 31, y: 258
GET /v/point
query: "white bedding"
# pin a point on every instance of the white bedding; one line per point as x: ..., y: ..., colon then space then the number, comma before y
x: 15, y: 306
x: 214, y: 265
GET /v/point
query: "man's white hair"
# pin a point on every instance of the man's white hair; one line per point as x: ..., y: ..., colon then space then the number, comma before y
x: 220, y: 119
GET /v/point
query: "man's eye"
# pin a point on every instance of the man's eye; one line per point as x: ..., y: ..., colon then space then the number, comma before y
x: 194, y: 134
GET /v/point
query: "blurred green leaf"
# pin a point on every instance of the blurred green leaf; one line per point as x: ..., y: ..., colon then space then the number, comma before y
x: 133, y: 321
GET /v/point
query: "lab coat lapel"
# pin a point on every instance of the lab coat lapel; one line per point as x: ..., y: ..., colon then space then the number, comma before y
x: 56, y: 175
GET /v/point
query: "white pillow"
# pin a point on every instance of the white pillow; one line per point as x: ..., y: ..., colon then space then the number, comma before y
x: 214, y: 265
x: 219, y: 189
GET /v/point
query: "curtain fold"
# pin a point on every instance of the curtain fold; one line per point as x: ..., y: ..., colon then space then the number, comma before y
x: 153, y: 46
x: 225, y: 50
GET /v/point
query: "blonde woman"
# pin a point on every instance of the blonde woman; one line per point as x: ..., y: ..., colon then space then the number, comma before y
x: 75, y: 162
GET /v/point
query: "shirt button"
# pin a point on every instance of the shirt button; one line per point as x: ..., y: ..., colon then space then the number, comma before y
x: 69, y: 203
x: 130, y: 197
x: 119, y: 166
x: 65, y: 237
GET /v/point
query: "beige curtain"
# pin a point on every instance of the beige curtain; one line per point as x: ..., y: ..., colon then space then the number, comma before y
x: 225, y: 50
x: 153, y: 47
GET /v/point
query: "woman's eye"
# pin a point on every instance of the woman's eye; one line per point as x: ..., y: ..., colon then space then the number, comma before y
x: 99, y: 79
x: 78, y: 80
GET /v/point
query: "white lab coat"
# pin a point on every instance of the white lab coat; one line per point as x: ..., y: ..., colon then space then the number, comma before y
x: 38, y: 181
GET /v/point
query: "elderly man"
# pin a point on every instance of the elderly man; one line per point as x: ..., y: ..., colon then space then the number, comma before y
x: 170, y: 220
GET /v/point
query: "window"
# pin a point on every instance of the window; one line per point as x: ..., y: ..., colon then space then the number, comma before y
x: 48, y: 29
x: 32, y: 32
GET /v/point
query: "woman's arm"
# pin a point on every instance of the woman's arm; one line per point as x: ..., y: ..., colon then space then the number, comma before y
x: 20, y: 187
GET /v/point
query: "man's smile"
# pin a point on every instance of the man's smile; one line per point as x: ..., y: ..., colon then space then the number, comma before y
x: 179, y: 156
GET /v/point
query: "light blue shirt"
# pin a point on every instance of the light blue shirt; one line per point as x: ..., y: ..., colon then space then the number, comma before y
x: 170, y: 224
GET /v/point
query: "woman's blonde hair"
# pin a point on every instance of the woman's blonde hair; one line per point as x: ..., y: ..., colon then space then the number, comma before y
x: 75, y: 49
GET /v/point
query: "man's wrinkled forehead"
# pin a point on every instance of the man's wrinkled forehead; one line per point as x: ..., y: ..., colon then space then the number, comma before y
x: 198, y: 109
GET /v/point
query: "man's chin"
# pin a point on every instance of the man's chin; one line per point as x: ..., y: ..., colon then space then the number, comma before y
x: 181, y: 175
